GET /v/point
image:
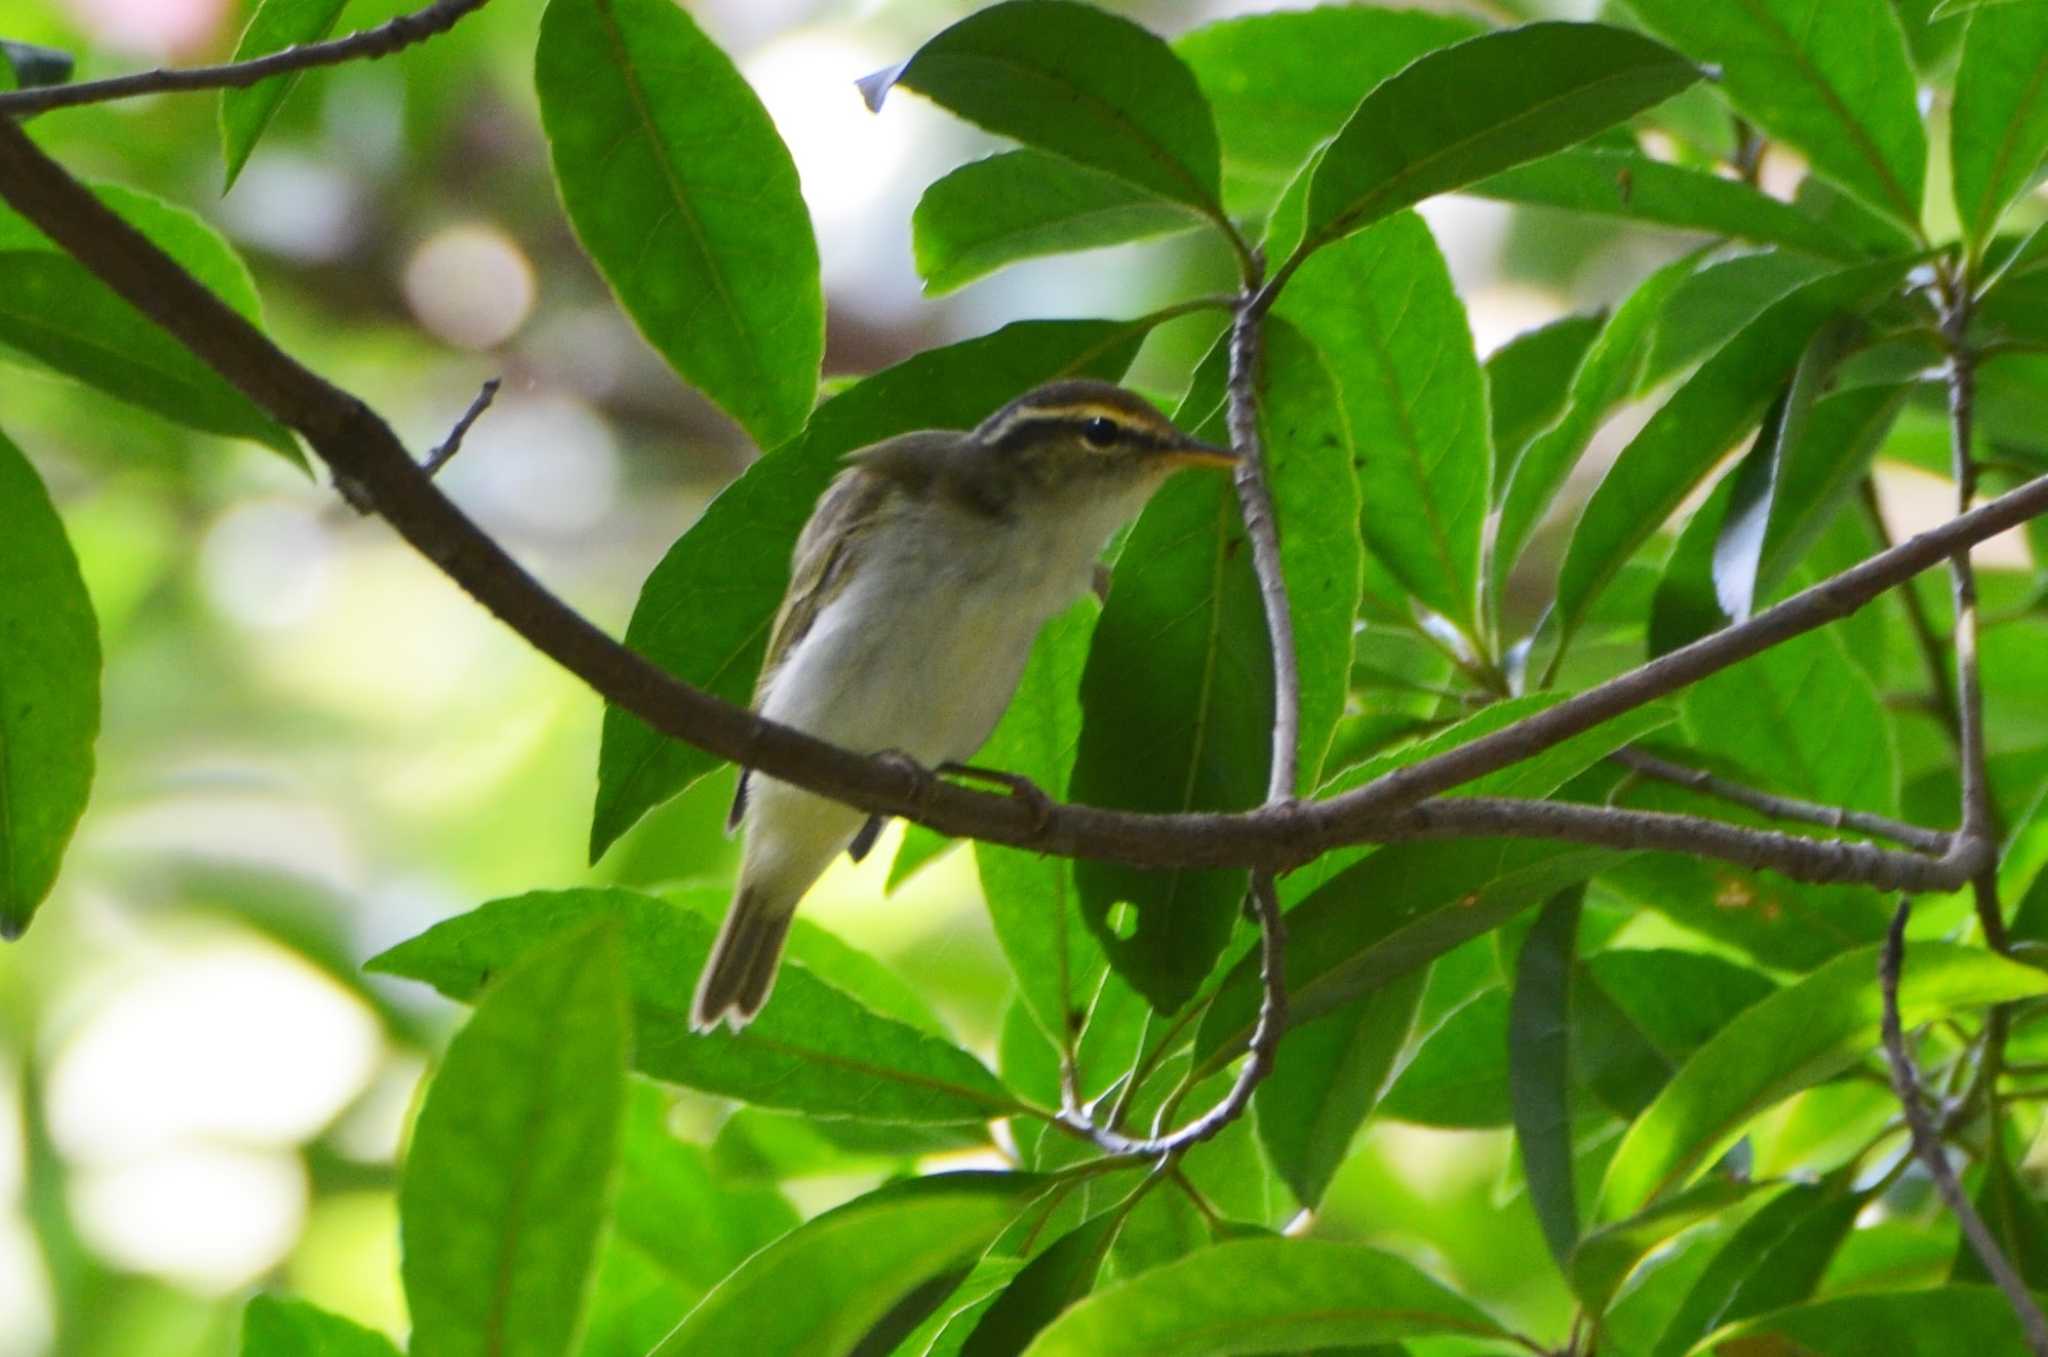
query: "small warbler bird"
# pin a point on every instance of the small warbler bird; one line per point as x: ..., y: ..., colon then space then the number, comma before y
x: 916, y: 590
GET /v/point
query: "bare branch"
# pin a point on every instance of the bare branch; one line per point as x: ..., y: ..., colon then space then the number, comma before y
x: 452, y: 444
x: 367, y: 45
x: 1782, y: 807
x: 1927, y: 1144
x: 362, y: 451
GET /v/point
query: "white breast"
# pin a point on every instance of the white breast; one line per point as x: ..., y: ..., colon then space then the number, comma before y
x: 922, y: 650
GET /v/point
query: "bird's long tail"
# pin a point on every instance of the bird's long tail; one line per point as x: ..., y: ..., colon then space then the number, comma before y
x: 741, y: 971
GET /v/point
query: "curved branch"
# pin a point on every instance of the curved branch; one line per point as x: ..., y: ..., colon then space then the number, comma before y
x: 367, y: 45
x: 368, y: 458
x: 1781, y: 807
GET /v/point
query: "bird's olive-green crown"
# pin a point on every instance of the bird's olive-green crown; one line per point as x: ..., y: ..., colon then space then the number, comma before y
x: 1093, y: 419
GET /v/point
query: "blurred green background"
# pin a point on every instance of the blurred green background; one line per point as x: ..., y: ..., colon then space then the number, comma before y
x: 315, y: 746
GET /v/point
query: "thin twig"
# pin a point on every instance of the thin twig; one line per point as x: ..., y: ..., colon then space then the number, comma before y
x: 452, y: 444
x: 1927, y: 1144
x: 1933, y: 653
x: 361, y: 449
x: 1781, y: 807
x: 369, y: 44
x: 1255, y: 501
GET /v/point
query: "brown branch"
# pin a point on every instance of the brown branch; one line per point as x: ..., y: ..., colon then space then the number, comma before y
x: 1927, y: 1144
x: 364, y: 454
x: 1781, y: 807
x: 367, y: 45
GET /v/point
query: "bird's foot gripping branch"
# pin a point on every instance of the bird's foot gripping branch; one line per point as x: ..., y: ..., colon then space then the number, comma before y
x: 1335, y: 721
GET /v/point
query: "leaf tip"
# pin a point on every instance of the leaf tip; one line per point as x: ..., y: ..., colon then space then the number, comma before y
x: 874, y: 88
x: 12, y: 926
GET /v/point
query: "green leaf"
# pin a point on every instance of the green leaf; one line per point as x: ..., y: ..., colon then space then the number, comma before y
x: 1184, y: 609
x: 1803, y: 718
x: 49, y: 691
x: 1049, y: 1283
x: 819, y: 1289
x: 676, y: 1230
x: 1330, y: 1075
x: 757, y: 1145
x: 1457, y: 1078
x: 1023, y: 204
x: 1259, y: 1296
x: 1677, y: 1000
x: 2016, y: 1220
x: 1604, y: 1259
x: 687, y: 200
x: 1832, y: 77
x: 1775, y: 1258
x: 705, y: 611
x: 1032, y: 898
x: 813, y: 1049
x: 1539, y: 1068
x: 1382, y: 309
x: 1460, y: 114
x: 1531, y: 480
x: 56, y: 312
x: 1801, y: 1036
x: 1685, y: 439
x: 24, y: 65
x: 1949, y: 9
x: 1277, y: 94
x: 1528, y: 382
x: 1071, y: 79
x: 273, y: 1326
x: 1999, y: 131
x: 1634, y: 187
x: 512, y: 1158
x: 1400, y: 908
x: 1938, y: 1322
x: 274, y: 26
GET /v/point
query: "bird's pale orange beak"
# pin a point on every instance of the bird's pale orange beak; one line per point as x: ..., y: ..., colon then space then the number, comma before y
x: 1194, y: 452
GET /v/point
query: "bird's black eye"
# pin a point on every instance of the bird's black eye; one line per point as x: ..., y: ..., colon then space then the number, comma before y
x: 1099, y: 432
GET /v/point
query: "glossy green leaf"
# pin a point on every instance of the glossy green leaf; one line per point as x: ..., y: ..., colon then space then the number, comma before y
x: 1023, y: 204
x: 1529, y: 381
x: 1049, y: 1283
x: 272, y: 27
x: 687, y: 200
x: 1678, y: 1000
x: 705, y: 610
x: 1460, y: 114
x: 1277, y: 94
x: 273, y: 1326
x: 1998, y: 134
x: 1330, y: 1075
x: 1938, y: 1322
x: 755, y: 1144
x: 1382, y: 309
x: 53, y: 310
x: 1804, y: 1034
x: 1032, y: 898
x: 1529, y: 482
x: 1720, y: 301
x: 1634, y: 187
x: 1184, y: 609
x: 1071, y: 79
x: 1606, y: 1256
x: 1776, y: 1258
x: 1685, y: 439
x: 677, y: 1228
x: 819, y: 1289
x: 1803, y: 718
x: 1259, y: 1295
x: 1832, y: 77
x: 513, y: 1156
x: 49, y: 691
x: 813, y: 1049
x: 1539, y: 1067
